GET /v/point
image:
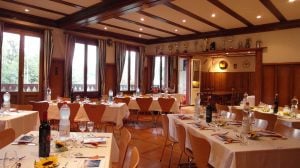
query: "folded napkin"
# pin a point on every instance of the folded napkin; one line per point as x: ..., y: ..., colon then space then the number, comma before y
x: 94, y: 140
x: 226, y: 139
x: 266, y: 133
x: 234, y: 123
x: 183, y: 117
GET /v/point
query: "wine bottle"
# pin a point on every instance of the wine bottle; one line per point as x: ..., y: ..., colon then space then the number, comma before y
x: 276, y: 103
x: 209, y: 110
x: 44, y: 136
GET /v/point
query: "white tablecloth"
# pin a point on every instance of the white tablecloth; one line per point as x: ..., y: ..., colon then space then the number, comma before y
x: 109, y: 150
x: 21, y: 121
x: 258, y: 153
x: 113, y: 113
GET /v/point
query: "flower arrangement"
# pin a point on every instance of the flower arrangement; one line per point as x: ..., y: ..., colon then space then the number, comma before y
x: 60, y: 146
x: 47, y: 162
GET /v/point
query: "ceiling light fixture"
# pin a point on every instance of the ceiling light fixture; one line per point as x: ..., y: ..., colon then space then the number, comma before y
x: 140, y: 35
x: 141, y: 29
x: 105, y: 28
x: 213, y: 15
x: 26, y: 10
x: 291, y: 1
x: 176, y: 30
x: 183, y: 20
x: 258, y: 17
x: 142, y: 19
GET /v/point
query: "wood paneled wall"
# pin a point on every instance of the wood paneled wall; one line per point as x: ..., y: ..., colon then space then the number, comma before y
x: 56, y: 80
x: 283, y: 79
x: 110, y: 77
x: 225, y: 81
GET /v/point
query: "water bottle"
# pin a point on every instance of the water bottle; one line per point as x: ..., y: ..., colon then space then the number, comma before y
x: 48, y: 94
x: 110, y: 96
x: 245, y: 124
x: 64, y: 123
x: 197, y: 108
x: 138, y: 93
x: 6, y: 101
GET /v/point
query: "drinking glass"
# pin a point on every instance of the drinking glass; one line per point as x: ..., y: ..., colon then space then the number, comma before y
x: 244, y: 139
x: 90, y: 126
x: 82, y: 126
x: 10, y: 159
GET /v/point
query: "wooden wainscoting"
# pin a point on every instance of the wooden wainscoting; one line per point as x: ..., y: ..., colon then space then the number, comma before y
x: 110, y: 77
x: 225, y: 81
x: 283, y: 79
x: 56, y: 80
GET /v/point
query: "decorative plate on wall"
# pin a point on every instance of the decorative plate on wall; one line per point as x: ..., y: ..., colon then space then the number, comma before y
x: 246, y: 64
x: 223, y: 65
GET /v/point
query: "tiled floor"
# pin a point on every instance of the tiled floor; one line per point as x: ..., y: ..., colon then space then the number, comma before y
x: 149, y: 142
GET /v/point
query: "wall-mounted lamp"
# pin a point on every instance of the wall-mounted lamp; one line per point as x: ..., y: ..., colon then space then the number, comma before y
x: 223, y: 65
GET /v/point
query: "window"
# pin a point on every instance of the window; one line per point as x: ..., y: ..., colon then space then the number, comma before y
x: 85, y: 68
x: 129, y: 76
x: 160, y: 72
x: 20, y: 68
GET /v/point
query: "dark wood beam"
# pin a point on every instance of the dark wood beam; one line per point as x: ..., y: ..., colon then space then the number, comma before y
x: 104, y: 10
x: 270, y: 6
x: 122, y: 28
x: 188, y: 13
x: 110, y: 34
x: 230, y: 32
x: 69, y: 4
x: 144, y: 25
x: 167, y: 21
x: 223, y: 7
x: 25, y: 17
x: 35, y: 7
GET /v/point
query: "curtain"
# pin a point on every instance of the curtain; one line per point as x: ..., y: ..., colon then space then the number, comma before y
x: 102, y: 62
x: 1, y: 39
x: 172, y: 75
x: 48, y: 52
x: 69, y: 45
x: 152, y: 71
x: 140, y: 65
x: 120, y: 61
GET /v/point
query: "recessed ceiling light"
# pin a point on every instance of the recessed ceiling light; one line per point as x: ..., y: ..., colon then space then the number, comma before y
x: 213, y: 15
x: 176, y: 30
x: 105, y: 28
x: 140, y: 35
x: 26, y: 10
x: 142, y: 19
x: 291, y: 1
x: 183, y: 20
x: 258, y: 17
x: 141, y: 29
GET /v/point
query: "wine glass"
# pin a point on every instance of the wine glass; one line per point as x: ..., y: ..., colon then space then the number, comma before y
x: 82, y: 126
x: 10, y: 158
x: 90, y: 126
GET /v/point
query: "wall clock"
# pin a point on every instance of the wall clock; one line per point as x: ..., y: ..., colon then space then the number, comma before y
x: 246, y: 64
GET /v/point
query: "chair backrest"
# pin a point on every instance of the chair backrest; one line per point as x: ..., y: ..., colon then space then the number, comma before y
x: 122, y: 100
x: 7, y: 136
x: 260, y: 124
x: 271, y: 118
x: 296, y: 125
x: 144, y: 103
x: 94, y: 112
x: 28, y: 107
x: 134, y: 158
x: 238, y: 114
x: 220, y: 108
x: 123, y: 145
x: 166, y: 104
x: 165, y: 124
x: 181, y: 135
x: 287, y: 131
x: 41, y: 107
x: 201, y: 149
x: 74, y: 107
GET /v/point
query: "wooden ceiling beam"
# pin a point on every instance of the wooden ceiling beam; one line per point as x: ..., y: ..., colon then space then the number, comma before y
x: 144, y: 25
x: 69, y: 4
x: 188, y: 13
x: 230, y: 32
x: 104, y: 10
x: 35, y: 7
x: 25, y: 17
x: 122, y: 28
x: 167, y: 21
x: 226, y: 9
x: 271, y: 7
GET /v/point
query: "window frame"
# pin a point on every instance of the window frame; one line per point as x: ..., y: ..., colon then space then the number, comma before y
x: 166, y: 72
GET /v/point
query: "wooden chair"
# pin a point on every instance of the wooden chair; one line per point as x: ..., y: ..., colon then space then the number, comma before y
x: 144, y: 104
x: 125, y: 138
x: 271, y: 118
x: 260, y: 124
x: 201, y: 149
x: 287, y: 131
x: 238, y: 114
x: 296, y: 125
x: 7, y: 136
x: 28, y: 107
x: 181, y: 135
x: 168, y: 140
x: 125, y: 100
x: 166, y: 104
x: 41, y: 107
x: 95, y: 113
x: 220, y: 108
x: 134, y: 157
x: 74, y: 107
